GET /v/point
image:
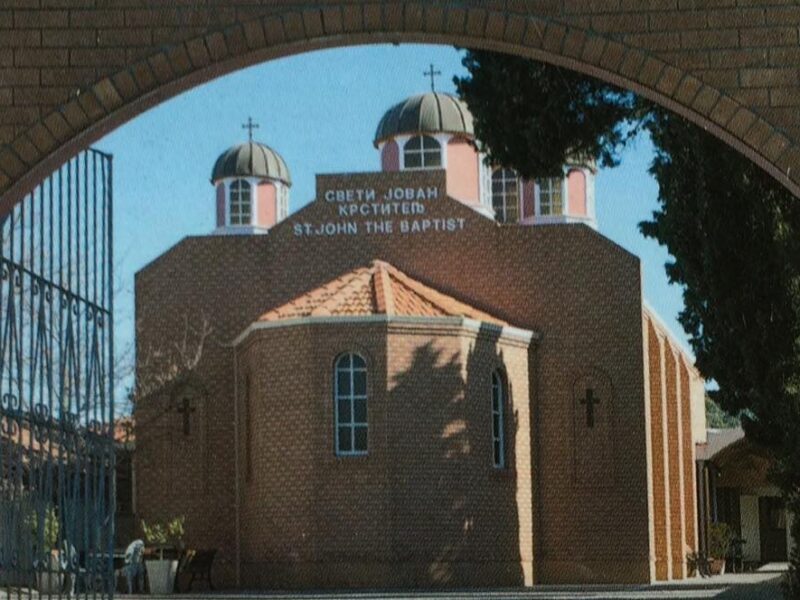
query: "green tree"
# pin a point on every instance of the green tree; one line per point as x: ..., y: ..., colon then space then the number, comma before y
x: 733, y: 231
x: 531, y: 115
x: 716, y: 418
x: 734, y: 234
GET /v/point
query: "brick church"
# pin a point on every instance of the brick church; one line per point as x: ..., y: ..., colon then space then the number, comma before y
x: 436, y: 374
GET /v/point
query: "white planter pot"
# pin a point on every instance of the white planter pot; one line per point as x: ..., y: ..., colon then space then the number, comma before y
x: 161, y: 575
x: 49, y: 583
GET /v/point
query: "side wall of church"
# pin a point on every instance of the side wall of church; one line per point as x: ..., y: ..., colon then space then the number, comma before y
x: 689, y: 458
x: 673, y: 453
x: 660, y: 466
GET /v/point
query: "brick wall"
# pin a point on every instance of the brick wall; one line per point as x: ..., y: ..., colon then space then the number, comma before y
x: 425, y: 506
x: 578, y: 289
x: 673, y: 485
x: 675, y: 445
x: 71, y: 71
x: 187, y: 286
x: 689, y: 465
x: 660, y: 466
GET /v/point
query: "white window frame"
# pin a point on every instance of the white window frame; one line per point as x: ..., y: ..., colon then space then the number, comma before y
x: 352, y: 424
x: 485, y: 174
x: 229, y: 201
x: 281, y: 201
x: 285, y: 201
x: 591, y: 208
x: 422, y: 152
x: 504, y: 180
x: 552, y: 184
x: 498, y: 416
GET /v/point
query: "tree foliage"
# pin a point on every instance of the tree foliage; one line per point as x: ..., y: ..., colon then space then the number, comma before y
x: 716, y: 418
x: 531, y: 115
x: 734, y: 234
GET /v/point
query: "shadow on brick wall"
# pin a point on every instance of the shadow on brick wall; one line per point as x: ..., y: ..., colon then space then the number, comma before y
x: 455, y: 518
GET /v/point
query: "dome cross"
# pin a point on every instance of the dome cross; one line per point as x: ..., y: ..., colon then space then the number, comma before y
x: 250, y: 125
x: 432, y: 73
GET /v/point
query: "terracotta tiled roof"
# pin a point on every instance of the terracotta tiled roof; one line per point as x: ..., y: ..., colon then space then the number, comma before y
x: 379, y: 289
x: 24, y: 443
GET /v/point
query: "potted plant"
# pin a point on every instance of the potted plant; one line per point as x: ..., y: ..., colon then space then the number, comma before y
x: 720, y: 537
x: 692, y: 564
x: 45, y: 530
x: 165, y: 538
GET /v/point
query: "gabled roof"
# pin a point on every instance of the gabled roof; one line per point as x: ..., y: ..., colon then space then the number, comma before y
x: 378, y: 289
x: 719, y: 440
x: 28, y: 441
x: 742, y: 462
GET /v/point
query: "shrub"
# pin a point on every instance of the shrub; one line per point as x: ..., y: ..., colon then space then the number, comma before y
x: 50, y: 528
x: 165, y: 534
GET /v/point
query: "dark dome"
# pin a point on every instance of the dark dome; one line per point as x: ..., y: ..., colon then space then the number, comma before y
x: 251, y: 159
x: 433, y: 112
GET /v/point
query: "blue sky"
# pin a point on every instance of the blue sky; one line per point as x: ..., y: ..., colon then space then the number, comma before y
x: 319, y: 110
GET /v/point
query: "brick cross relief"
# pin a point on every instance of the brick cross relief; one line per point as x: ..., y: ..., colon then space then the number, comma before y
x: 590, y: 400
x: 186, y: 410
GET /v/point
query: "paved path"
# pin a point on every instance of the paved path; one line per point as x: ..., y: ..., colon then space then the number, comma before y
x: 756, y: 586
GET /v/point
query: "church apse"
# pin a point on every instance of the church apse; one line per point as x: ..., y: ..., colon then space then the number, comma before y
x: 384, y: 473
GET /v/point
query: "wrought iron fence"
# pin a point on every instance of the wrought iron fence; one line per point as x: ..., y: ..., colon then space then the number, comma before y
x: 56, y: 391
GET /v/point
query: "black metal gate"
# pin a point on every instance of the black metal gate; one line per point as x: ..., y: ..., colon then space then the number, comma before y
x: 56, y: 391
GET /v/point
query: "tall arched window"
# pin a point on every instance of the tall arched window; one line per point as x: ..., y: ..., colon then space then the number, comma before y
x: 498, y: 420
x: 422, y: 152
x: 350, y: 400
x: 505, y: 195
x: 240, y: 206
x: 550, y: 197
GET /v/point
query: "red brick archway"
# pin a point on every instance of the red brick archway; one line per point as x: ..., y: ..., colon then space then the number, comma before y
x: 77, y: 71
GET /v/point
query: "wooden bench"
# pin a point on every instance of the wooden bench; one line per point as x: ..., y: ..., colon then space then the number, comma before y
x: 196, y: 564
